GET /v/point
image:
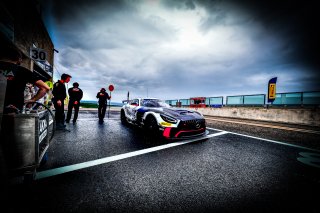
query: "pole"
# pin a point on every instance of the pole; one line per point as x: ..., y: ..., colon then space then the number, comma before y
x: 109, y: 104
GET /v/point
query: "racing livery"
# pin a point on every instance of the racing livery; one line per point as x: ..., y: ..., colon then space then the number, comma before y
x: 156, y: 116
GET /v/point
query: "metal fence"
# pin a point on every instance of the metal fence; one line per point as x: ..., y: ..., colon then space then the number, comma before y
x: 297, y: 98
x: 172, y: 102
x: 214, y: 101
x: 282, y: 99
x: 246, y: 100
x: 185, y: 102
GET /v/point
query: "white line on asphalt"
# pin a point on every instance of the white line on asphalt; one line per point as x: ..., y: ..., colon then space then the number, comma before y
x: 70, y: 168
x: 271, y: 141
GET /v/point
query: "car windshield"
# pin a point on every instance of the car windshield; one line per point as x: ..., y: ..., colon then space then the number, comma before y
x: 154, y: 103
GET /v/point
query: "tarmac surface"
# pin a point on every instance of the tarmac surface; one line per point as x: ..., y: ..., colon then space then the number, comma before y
x: 237, y: 167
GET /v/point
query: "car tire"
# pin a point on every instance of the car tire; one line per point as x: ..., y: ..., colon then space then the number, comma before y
x: 151, y: 126
x: 123, y: 118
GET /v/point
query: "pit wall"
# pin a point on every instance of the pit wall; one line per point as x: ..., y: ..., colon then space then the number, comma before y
x: 302, y: 116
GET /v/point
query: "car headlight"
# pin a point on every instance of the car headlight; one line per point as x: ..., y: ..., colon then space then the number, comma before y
x: 169, y: 119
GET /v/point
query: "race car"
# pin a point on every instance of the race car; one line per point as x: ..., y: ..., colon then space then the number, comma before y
x: 158, y: 117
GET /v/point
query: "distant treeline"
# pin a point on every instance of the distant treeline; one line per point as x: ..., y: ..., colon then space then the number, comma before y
x: 88, y: 105
x: 94, y: 104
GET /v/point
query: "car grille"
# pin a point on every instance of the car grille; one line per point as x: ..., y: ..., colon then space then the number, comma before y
x: 191, y: 133
x: 188, y: 128
x: 192, y: 124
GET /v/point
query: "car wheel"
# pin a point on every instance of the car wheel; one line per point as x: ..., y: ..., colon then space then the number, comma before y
x: 123, y: 118
x: 151, y: 126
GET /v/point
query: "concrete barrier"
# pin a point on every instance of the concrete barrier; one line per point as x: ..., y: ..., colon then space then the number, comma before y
x: 303, y: 116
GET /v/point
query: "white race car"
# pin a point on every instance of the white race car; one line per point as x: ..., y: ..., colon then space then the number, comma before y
x: 156, y: 116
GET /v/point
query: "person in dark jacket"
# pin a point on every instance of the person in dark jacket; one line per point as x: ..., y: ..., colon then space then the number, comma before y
x: 59, y: 94
x: 103, y: 97
x: 75, y: 95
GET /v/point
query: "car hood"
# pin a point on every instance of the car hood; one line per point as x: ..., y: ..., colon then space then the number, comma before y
x: 182, y: 114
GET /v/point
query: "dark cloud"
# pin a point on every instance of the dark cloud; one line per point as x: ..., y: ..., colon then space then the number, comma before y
x: 179, y: 4
x: 296, y: 22
x: 64, y: 10
x: 184, y: 48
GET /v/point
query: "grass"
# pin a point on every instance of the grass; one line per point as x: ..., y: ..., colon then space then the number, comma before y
x: 88, y: 105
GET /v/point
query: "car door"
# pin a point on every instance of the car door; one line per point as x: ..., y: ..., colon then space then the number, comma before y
x: 131, y: 108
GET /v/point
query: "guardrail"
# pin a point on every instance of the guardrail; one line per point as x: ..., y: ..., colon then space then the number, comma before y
x: 282, y: 99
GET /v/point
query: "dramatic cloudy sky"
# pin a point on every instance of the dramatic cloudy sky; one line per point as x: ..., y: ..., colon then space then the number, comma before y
x: 184, y: 48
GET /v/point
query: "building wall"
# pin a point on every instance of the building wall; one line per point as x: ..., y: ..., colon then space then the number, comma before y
x: 28, y: 28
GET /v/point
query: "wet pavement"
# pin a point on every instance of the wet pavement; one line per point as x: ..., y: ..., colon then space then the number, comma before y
x: 114, y: 168
x: 289, y: 133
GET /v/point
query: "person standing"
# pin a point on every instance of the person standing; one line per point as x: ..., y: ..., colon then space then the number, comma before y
x: 103, y: 97
x: 75, y: 95
x: 59, y: 94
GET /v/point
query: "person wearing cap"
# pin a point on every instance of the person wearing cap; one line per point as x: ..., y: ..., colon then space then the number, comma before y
x: 59, y: 94
x: 103, y: 97
x: 75, y: 95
